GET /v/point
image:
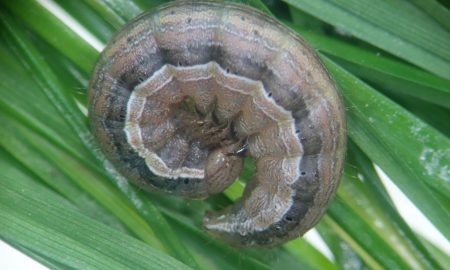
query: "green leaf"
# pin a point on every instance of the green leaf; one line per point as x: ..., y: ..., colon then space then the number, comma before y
x: 436, y: 116
x: 381, y: 70
x: 415, y: 155
x: 28, y: 147
x: 55, y: 31
x: 81, y: 170
x: 437, y: 253
x: 364, y: 206
x: 55, y: 228
x: 115, y: 12
x: 43, y: 87
x: 84, y: 14
x: 363, y: 192
x: 398, y: 27
x: 345, y: 255
x: 435, y: 10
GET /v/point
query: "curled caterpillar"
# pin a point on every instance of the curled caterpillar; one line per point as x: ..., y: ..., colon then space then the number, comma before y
x: 184, y: 92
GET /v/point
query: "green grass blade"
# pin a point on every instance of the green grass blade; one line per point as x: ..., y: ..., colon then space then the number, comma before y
x: 56, y: 229
x: 189, y: 217
x: 29, y: 148
x: 52, y: 264
x: 376, y: 253
x: 435, y: 10
x: 55, y: 31
x: 363, y: 191
x: 436, y: 116
x: 441, y: 256
x: 82, y: 173
x: 344, y: 254
x: 35, y: 167
x: 49, y: 83
x: 398, y: 27
x: 40, y: 146
x: 115, y: 12
x: 382, y: 70
x: 305, y: 252
x: 415, y: 155
x: 364, y: 206
x: 54, y: 89
x: 90, y: 19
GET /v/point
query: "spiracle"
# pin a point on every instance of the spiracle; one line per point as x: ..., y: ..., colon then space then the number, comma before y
x: 183, y: 93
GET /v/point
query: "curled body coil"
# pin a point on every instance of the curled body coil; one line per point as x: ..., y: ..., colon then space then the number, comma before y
x: 184, y: 92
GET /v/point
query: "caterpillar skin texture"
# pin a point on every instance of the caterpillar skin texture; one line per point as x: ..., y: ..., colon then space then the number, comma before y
x: 184, y: 92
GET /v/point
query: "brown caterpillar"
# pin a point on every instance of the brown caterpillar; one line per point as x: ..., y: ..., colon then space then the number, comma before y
x: 183, y: 92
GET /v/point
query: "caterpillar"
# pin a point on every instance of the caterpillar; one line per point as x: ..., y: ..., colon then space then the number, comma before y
x: 184, y: 92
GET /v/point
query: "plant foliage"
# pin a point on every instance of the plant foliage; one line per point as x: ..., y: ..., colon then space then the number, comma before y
x: 63, y: 205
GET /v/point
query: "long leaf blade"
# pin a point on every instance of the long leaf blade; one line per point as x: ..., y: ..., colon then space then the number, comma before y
x: 395, y: 26
x: 56, y: 228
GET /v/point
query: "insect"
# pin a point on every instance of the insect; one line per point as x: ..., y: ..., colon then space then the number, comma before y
x: 184, y: 92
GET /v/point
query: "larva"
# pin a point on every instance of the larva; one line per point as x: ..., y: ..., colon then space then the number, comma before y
x: 183, y: 92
